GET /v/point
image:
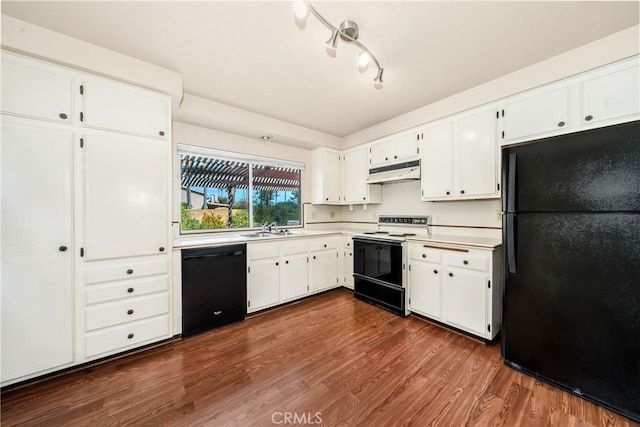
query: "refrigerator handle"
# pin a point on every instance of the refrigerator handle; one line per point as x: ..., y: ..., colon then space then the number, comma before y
x: 511, y: 184
x: 511, y: 240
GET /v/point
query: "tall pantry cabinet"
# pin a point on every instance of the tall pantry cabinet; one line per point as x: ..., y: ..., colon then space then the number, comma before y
x: 85, y: 217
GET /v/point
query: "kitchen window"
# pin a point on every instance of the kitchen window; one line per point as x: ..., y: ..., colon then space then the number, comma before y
x: 222, y: 190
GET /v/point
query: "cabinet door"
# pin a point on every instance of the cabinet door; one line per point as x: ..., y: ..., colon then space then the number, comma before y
x: 293, y: 276
x: 348, y: 266
x: 332, y: 176
x: 536, y: 115
x: 465, y: 302
x: 476, y: 155
x: 437, y: 162
x: 35, y: 90
x: 405, y: 146
x: 425, y: 288
x: 324, y: 270
x: 380, y: 152
x: 611, y: 96
x: 355, y: 175
x: 37, y: 292
x: 146, y: 113
x: 125, y: 196
x: 263, y: 284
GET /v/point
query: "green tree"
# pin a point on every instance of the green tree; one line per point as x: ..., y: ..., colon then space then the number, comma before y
x: 240, y: 218
x: 187, y: 222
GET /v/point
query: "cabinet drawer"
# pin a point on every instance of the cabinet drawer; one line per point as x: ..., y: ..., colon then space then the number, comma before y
x: 127, y: 336
x: 126, y: 289
x: 115, y: 313
x: 125, y: 269
x: 322, y: 244
x: 419, y: 252
x: 293, y: 248
x: 262, y: 251
x: 471, y: 262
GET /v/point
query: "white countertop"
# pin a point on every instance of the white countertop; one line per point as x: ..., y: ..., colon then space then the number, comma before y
x: 201, y: 240
x: 480, y: 242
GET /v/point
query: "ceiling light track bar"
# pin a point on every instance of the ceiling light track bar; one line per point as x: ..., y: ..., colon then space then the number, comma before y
x: 348, y: 31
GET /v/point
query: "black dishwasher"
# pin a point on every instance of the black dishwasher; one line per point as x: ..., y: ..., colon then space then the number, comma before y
x: 214, y: 287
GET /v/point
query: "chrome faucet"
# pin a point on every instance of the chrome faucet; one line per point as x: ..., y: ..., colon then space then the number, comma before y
x: 266, y: 226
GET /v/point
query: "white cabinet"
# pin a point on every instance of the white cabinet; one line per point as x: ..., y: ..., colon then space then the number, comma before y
x: 125, y: 196
x: 36, y: 90
x: 263, y: 279
x: 458, y: 286
x: 323, y: 263
x: 277, y: 273
x: 395, y: 149
x: 425, y: 278
x: 436, y: 175
x: 356, y: 172
x: 326, y: 176
x: 460, y: 158
x: 348, y: 262
x: 146, y: 113
x: 293, y: 270
x: 535, y: 114
x: 476, y: 153
x: 37, y: 248
x: 613, y: 95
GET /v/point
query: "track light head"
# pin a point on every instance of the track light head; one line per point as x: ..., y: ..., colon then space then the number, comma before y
x: 363, y: 59
x: 378, y: 78
x: 300, y: 9
x: 332, y: 43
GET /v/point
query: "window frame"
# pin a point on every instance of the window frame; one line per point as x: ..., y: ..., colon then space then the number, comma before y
x: 250, y: 160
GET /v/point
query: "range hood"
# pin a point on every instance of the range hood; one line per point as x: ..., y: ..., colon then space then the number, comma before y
x: 398, y: 172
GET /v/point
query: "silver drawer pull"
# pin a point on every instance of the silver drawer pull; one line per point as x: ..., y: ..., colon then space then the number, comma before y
x: 217, y: 313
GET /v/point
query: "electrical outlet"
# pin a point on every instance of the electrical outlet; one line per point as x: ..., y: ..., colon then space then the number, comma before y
x: 313, y: 214
x: 333, y: 214
x: 499, y: 216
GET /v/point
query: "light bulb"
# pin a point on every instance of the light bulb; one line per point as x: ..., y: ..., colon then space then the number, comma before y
x: 299, y: 9
x: 363, y: 59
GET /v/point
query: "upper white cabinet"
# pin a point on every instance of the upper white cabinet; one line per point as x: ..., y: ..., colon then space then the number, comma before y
x: 536, y: 113
x: 356, y: 171
x: 394, y: 150
x: 146, y: 113
x: 612, y: 95
x: 36, y: 90
x: 37, y: 250
x: 125, y: 196
x: 326, y: 176
x: 459, y: 158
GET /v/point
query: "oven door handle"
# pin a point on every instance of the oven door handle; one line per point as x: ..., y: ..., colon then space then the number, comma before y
x: 377, y: 281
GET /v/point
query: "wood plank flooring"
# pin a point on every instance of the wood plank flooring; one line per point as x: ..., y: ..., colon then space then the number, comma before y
x: 329, y: 359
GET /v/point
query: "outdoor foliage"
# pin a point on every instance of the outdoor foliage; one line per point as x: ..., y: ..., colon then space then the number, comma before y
x: 212, y: 220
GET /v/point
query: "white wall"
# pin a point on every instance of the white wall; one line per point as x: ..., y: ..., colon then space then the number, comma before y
x: 203, y: 137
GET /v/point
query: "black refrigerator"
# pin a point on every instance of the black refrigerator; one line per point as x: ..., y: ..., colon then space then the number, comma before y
x: 571, y: 230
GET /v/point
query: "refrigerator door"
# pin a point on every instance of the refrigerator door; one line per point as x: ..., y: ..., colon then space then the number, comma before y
x: 572, y: 312
x: 595, y: 170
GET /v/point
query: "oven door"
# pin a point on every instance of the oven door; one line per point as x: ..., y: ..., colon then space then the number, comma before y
x: 377, y: 274
x: 379, y: 260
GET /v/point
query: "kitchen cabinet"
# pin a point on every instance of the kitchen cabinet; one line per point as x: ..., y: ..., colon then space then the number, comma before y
x: 263, y: 279
x: 356, y: 172
x: 37, y: 248
x: 85, y: 201
x: 395, y: 149
x: 293, y: 270
x: 36, y: 90
x: 323, y: 263
x: 458, y: 286
x: 460, y: 158
x: 326, y: 176
x: 126, y: 209
x: 425, y: 278
x: 535, y: 114
x: 612, y: 95
x: 348, y: 262
x: 146, y: 113
x: 277, y: 273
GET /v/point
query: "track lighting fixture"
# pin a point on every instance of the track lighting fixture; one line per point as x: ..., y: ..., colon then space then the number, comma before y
x: 348, y: 32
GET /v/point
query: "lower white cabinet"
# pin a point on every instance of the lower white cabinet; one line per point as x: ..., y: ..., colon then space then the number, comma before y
x: 323, y: 260
x: 37, y: 287
x: 263, y: 278
x: 458, y: 286
x: 348, y: 262
x: 127, y: 304
x: 293, y: 270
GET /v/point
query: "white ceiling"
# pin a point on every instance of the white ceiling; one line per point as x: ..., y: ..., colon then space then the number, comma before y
x: 256, y: 56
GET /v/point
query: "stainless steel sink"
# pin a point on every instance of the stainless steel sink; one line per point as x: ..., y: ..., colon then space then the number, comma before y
x: 258, y: 235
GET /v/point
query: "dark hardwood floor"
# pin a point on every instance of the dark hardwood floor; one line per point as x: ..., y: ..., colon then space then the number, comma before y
x: 330, y: 358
